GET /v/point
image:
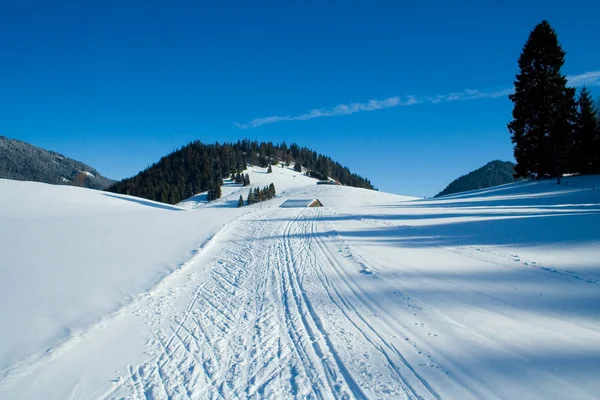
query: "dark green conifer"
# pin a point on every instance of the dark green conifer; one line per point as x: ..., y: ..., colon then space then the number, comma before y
x: 544, y: 107
x: 584, y: 156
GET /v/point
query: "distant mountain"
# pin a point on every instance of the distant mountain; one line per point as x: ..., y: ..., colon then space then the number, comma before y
x: 198, y: 167
x: 25, y: 162
x: 491, y: 174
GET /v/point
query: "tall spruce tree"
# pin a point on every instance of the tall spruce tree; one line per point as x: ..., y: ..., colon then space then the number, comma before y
x: 218, y: 188
x: 214, y: 191
x: 240, y: 202
x: 544, y: 108
x: 596, y: 160
x: 272, y: 190
x: 584, y: 154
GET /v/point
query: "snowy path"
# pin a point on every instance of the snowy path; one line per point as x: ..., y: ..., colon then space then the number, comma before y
x: 277, y: 317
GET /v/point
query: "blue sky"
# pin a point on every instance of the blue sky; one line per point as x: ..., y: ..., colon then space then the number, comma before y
x: 119, y: 84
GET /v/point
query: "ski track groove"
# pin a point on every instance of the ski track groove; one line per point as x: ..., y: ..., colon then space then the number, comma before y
x: 368, y: 331
x: 251, y: 330
x: 318, y: 334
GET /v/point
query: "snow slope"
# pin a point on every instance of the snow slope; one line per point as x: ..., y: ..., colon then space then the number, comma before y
x: 71, y: 256
x: 488, y: 294
x: 288, y: 184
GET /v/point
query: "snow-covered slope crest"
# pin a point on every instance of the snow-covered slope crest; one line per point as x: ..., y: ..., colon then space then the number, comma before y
x: 289, y: 184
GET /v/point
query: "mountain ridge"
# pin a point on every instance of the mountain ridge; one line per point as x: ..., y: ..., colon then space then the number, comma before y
x: 23, y: 161
x: 493, y: 173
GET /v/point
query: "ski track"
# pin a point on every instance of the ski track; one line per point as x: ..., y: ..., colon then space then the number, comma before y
x: 277, y: 317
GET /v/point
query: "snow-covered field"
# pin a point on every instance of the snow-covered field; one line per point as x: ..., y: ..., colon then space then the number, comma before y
x: 484, y: 295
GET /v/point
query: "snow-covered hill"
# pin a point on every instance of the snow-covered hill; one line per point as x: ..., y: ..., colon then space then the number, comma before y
x: 490, y: 294
x: 288, y: 184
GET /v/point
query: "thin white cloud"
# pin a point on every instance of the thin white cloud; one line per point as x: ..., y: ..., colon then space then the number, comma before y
x: 588, y: 78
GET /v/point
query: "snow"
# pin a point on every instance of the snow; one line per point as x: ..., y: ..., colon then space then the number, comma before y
x: 493, y: 293
x: 71, y: 256
x: 87, y: 173
x: 284, y: 179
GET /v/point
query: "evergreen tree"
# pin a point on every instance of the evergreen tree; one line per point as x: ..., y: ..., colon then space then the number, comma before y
x: 269, y: 170
x: 596, y: 159
x: 246, y: 180
x: 250, y: 198
x: 218, y: 189
x: 214, y: 192
x: 544, y: 107
x: 272, y: 190
x: 298, y: 165
x: 586, y: 128
x: 240, y: 202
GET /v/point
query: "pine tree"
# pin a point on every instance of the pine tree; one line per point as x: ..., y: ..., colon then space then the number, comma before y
x: 250, y: 198
x: 298, y: 165
x: 596, y: 159
x: 217, y: 189
x: 269, y: 170
x: 214, y: 191
x: 544, y: 107
x: 246, y: 180
x: 240, y: 202
x: 586, y: 128
x: 272, y: 190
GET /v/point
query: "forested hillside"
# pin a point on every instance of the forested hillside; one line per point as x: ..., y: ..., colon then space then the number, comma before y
x: 491, y: 174
x: 199, y: 167
x: 22, y: 161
